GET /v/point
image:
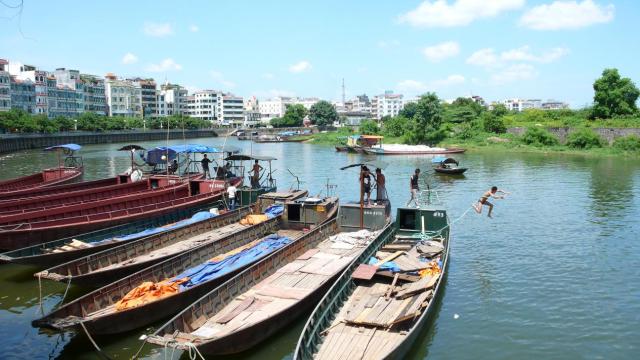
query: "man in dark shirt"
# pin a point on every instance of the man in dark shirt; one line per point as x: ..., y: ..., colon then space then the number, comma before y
x: 205, y: 166
x: 413, y: 186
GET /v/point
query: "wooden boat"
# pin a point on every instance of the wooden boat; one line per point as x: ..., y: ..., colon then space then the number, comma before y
x: 72, y: 197
x: 36, y: 227
x: 106, y: 266
x: 98, y: 312
x: 58, y: 189
x: 268, y: 296
x: 71, y: 170
x: 447, y: 166
x: 65, y: 249
x: 374, y: 311
x: 433, y: 151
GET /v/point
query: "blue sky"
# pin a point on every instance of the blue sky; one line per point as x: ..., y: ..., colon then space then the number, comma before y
x: 493, y: 48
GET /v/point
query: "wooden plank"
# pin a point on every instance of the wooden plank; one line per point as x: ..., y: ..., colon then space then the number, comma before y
x: 397, y: 247
x: 333, y: 267
x: 405, y: 277
x: 308, y: 254
x: 364, y: 272
x: 423, y: 284
x: 292, y: 266
x: 237, y: 310
x: 283, y: 292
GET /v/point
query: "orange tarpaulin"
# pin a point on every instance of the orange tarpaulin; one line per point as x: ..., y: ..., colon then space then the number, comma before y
x: 432, y: 269
x: 148, y: 292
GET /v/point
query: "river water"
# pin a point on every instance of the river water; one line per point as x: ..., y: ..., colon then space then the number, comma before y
x: 554, y: 275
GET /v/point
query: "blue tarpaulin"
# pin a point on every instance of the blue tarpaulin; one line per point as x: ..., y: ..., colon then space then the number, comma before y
x: 199, y: 216
x: 214, y: 269
x: 72, y: 147
x: 389, y: 265
x: 274, y: 210
x: 155, y: 155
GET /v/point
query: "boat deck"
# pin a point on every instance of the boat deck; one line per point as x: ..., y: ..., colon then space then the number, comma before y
x: 179, y: 247
x: 278, y: 292
x: 376, y: 317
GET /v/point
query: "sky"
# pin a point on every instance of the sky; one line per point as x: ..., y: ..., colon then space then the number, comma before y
x: 497, y: 49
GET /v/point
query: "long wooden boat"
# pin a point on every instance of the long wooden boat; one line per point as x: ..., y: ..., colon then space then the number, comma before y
x: 450, y: 171
x: 106, y: 266
x: 66, y: 249
x: 268, y: 296
x: 103, y: 312
x: 36, y: 227
x: 58, y: 189
x: 382, y: 151
x: 72, y: 198
x: 376, y: 308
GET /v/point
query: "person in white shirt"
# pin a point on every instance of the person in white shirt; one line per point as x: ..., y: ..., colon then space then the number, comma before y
x: 231, y: 194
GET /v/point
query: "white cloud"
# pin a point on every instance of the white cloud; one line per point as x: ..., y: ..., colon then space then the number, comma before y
x: 268, y: 76
x: 440, y: 13
x: 515, y: 72
x: 194, y: 28
x: 219, y: 77
x: 412, y: 86
x: 488, y: 58
x: 158, y: 29
x: 439, y: 52
x: 567, y: 15
x: 299, y: 67
x: 483, y: 57
x: 455, y: 79
x: 129, y: 58
x: 165, y: 65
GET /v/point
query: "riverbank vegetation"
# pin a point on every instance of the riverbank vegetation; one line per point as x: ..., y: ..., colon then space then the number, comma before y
x: 19, y: 121
x: 468, y: 124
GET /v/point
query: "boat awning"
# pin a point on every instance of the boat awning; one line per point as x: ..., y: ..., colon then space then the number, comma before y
x: 71, y: 147
x: 155, y: 155
x: 372, y: 137
x: 131, y: 147
x: 242, y: 157
x: 444, y: 160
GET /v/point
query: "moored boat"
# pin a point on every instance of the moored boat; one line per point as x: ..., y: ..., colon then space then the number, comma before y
x: 401, y: 149
x: 58, y: 189
x: 161, y: 290
x: 170, y: 193
x: 268, y: 296
x: 68, y: 171
x: 380, y: 303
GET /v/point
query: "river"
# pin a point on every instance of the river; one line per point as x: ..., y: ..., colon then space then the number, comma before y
x: 554, y: 275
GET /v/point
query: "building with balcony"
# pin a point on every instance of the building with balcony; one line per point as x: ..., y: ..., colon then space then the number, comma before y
x: 203, y: 105
x: 273, y: 108
x: 5, y: 86
x: 124, y: 98
x: 520, y: 105
x: 149, y: 94
x: 94, y: 94
x: 387, y: 104
x: 230, y: 110
x: 175, y: 99
x: 23, y: 95
x: 554, y: 105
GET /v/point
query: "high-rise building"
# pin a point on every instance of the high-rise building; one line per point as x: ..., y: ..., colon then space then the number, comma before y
x: 387, y: 104
x: 23, y: 94
x: 69, y: 94
x: 175, y: 99
x: 230, y: 110
x: 5, y: 86
x: 149, y: 94
x: 203, y: 105
x: 273, y: 108
x: 124, y: 98
x: 94, y: 94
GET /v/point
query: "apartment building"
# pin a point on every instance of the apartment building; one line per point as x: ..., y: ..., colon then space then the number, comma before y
x: 230, y: 110
x: 5, y: 86
x: 175, y: 99
x: 94, y: 94
x: 203, y: 105
x: 149, y: 96
x: 387, y: 104
x: 274, y: 108
x: 124, y: 97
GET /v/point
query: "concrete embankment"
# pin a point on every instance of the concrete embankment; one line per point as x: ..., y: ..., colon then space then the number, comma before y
x: 17, y: 142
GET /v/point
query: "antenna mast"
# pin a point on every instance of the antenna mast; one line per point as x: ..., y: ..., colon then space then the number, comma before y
x: 344, y: 98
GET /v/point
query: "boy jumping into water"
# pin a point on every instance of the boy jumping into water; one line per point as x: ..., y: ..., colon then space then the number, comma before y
x: 485, y: 197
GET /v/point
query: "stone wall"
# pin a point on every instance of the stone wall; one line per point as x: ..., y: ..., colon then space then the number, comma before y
x: 607, y: 134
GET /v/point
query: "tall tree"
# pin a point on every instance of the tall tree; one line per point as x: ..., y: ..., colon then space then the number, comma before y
x: 614, y: 95
x: 294, y: 115
x: 427, y: 120
x: 409, y: 110
x: 323, y: 113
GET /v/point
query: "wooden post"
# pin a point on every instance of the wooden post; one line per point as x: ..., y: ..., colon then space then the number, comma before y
x: 361, y: 197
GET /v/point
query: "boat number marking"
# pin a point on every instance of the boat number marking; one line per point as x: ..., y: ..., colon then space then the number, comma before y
x: 438, y: 214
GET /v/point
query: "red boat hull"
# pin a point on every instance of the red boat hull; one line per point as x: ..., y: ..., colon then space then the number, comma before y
x: 57, y: 189
x: 36, y: 227
x: 47, y: 177
x: 443, y: 152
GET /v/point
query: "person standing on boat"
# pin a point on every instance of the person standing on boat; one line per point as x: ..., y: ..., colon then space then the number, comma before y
x: 205, y: 166
x: 231, y: 194
x: 255, y: 178
x: 381, y: 190
x: 485, y: 197
x: 173, y: 167
x: 413, y: 186
x: 366, y: 181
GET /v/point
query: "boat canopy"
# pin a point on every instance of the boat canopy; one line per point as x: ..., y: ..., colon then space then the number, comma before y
x: 155, y: 155
x: 131, y: 147
x: 444, y: 160
x: 372, y: 137
x: 70, y: 147
x: 242, y: 157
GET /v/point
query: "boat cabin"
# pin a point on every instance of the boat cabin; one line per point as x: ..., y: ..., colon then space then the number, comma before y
x: 237, y: 164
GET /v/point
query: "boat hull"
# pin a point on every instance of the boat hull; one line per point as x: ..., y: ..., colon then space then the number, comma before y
x: 388, y: 152
x: 58, y: 189
x: 48, y: 177
x: 456, y: 171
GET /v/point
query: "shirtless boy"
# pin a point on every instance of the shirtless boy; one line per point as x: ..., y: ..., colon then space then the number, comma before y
x: 485, y: 197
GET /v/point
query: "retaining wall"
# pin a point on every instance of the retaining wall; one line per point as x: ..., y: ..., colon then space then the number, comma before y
x: 17, y: 142
x: 607, y: 134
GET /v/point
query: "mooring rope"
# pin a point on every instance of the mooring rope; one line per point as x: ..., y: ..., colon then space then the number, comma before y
x: 100, y: 352
x: 194, y: 355
x: 66, y: 291
x: 40, y: 294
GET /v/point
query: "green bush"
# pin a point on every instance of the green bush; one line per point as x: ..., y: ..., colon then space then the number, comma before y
x: 493, y: 123
x: 539, y: 137
x: 584, y: 139
x: 369, y: 127
x: 627, y: 143
x: 395, y: 126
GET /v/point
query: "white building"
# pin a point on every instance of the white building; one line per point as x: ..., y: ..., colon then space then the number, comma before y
x: 5, y: 86
x: 387, y: 104
x: 203, y: 105
x: 522, y: 104
x: 554, y: 105
x: 252, y: 104
x: 361, y: 103
x: 306, y: 102
x: 230, y: 110
x: 273, y: 108
x: 124, y: 98
x: 174, y: 98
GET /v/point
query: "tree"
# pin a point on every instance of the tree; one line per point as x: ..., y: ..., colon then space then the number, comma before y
x: 323, y: 113
x: 368, y: 127
x: 409, y: 110
x: 293, y: 117
x: 395, y: 126
x: 499, y: 110
x: 493, y: 124
x: 426, y: 121
x: 614, y: 95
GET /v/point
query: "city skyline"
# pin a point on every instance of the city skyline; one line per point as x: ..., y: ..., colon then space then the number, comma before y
x: 497, y: 49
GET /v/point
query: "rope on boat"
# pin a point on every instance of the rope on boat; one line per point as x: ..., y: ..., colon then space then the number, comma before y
x: 66, y: 291
x: 194, y: 355
x: 140, y: 349
x: 100, y: 352
x: 428, y: 235
x: 40, y: 293
x: 16, y: 227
